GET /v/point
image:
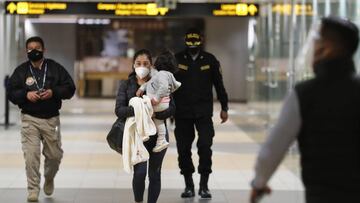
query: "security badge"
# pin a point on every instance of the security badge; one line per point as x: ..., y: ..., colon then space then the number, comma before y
x: 206, y: 67
x: 30, y: 81
x: 196, y: 43
x: 193, y: 36
x: 193, y: 39
x: 183, y: 67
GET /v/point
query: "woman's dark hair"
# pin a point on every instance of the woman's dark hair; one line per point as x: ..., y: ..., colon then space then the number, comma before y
x: 35, y: 39
x: 166, y: 61
x: 143, y: 52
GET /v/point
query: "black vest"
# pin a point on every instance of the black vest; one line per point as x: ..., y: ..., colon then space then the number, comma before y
x: 329, y: 138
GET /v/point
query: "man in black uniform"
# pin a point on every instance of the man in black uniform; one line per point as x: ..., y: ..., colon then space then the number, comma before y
x: 198, y: 72
x: 37, y: 86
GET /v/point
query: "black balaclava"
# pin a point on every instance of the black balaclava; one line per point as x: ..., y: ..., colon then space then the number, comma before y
x: 193, y: 41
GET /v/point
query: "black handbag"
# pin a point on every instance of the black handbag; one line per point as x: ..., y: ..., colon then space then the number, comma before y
x: 115, y: 136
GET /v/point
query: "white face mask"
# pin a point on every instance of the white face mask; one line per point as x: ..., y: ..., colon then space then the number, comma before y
x: 142, y: 71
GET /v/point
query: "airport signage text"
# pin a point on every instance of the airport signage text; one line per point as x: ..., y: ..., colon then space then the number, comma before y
x: 239, y: 9
x: 299, y: 9
x: 129, y: 9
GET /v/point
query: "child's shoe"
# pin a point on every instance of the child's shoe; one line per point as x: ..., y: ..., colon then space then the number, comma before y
x: 160, y: 145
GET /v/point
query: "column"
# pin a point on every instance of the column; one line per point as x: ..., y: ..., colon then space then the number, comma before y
x: 291, y: 68
x: 327, y: 7
x: 315, y: 11
x: 2, y: 61
x: 342, y: 8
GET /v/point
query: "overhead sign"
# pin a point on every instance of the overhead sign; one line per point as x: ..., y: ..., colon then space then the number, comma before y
x: 299, y: 9
x: 33, y: 7
x: 240, y: 9
x: 129, y: 9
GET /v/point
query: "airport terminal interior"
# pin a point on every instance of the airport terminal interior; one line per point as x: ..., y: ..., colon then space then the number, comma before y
x: 258, y: 44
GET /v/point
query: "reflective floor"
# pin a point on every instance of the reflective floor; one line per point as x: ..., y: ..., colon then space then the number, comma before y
x: 91, y: 172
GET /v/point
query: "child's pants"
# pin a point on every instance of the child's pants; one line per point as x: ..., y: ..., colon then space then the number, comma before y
x: 160, y: 124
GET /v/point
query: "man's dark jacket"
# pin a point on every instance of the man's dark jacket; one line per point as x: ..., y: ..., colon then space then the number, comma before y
x: 57, y: 79
x: 194, y: 98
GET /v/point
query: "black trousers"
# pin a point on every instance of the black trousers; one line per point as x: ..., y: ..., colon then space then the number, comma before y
x: 185, y: 136
x: 140, y: 172
x: 332, y: 196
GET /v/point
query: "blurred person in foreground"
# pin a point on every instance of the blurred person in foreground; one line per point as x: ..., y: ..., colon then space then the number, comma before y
x: 323, y: 115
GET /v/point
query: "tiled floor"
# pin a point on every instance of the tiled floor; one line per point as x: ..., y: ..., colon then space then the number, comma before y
x: 91, y: 172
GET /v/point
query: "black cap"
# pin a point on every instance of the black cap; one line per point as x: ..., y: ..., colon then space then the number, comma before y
x: 193, y: 37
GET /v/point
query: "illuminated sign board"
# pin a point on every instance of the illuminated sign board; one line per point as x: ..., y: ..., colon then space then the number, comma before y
x: 33, y: 8
x: 129, y: 9
x: 239, y: 9
x: 300, y: 9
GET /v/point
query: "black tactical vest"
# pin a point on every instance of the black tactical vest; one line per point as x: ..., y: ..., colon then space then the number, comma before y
x: 329, y: 138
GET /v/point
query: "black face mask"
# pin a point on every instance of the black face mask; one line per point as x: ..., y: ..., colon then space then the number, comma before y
x: 35, y: 55
x: 193, y: 50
